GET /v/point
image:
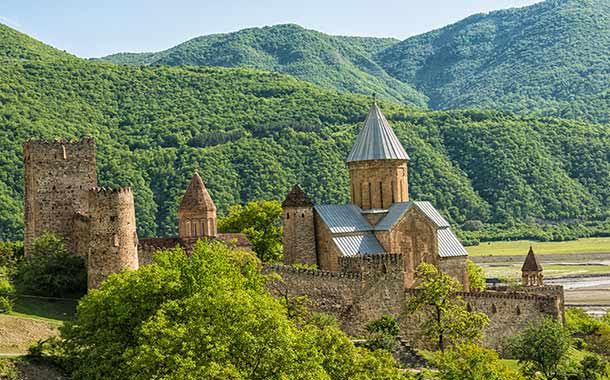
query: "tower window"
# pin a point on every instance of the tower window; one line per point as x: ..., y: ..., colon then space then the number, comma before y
x: 287, y: 215
x: 302, y: 215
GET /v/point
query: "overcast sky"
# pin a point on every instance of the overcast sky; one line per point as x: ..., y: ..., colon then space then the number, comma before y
x: 93, y: 28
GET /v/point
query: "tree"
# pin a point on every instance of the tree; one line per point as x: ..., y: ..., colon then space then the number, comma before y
x: 382, y: 333
x: 476, y: 276
x: 50, y: 270
x: 261, y: 221
x: 207, y: 316
x: 542, y: 346
x: 472, y: 362
x: 446, y: 318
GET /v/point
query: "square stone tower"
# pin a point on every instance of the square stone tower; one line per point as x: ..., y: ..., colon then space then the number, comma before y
x: 58, y: 175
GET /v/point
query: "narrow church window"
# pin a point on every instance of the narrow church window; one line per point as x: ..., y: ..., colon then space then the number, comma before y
x: 381, y: 194
x: 518, y: 310
x: 287, y: 215
x: 393, y: 196
x: 302, y: 215
x: 494, y: 309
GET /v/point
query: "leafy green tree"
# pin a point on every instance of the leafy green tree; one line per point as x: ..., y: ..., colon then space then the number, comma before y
x: 446, y: 318
x: 50, y: 270
x: 476, y: 276
x: 207, y: 316
x: 542, y: 347
x: 471, y: 362
x: 261, y: 221
x: 382, y: 333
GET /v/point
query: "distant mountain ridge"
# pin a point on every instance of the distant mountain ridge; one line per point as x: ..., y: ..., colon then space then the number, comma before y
x: 551, y: 58
x: 342, y: 63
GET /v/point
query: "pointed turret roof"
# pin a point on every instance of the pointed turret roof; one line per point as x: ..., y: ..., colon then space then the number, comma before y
x: 296, y: 198
x: 377, y: 141
x: 196, y: 198
x: 531, y: 263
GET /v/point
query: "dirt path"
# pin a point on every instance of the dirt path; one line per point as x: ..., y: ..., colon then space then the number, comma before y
x: 18, y: 333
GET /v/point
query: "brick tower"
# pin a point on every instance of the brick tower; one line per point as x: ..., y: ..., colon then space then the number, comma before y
x: 197, y: 212
x: 377, y: 165
x: 57, y: 177
x: 299, y: 229
x: 113, y: 241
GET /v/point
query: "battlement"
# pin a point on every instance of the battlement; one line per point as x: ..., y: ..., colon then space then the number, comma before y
x: 378, y: 263
x: 110, y: 190
x: 59, y: 142
x: 310, y: 272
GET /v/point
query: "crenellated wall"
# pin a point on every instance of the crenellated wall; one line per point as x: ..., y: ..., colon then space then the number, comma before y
x: 360, y: 296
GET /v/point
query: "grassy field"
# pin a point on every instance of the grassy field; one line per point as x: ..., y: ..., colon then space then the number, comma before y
x: 32, y: 319
x: 520, y: 247
x: 552, y: 270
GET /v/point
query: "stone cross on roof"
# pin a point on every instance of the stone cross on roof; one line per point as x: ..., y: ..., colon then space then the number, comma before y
x: 376, y: 140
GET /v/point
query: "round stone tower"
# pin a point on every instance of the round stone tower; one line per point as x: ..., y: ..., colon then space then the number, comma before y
x: 113, y: 241
x: 299, y: 229
x: 197, y: 212
x: 377, y: 165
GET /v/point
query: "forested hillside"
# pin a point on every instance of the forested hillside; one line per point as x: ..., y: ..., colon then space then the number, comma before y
x: 252, y: 134
x: 551, y: 58
x: 342, y: 63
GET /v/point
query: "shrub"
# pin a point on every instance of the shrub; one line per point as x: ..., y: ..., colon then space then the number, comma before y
x: 6, y: 305
x: 476, y: 276
x: 471, y: 362
x: 50, y: 270
x: 382, y: 333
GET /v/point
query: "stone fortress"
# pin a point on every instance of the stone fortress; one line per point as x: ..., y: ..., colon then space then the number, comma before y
x: 365, y: 253
x: 99, y: 224
x: 358, y: 259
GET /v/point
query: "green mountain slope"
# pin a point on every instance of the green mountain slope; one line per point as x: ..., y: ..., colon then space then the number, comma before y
x: 342, y: 63
x: 548, y: 58
x: 253, y: 134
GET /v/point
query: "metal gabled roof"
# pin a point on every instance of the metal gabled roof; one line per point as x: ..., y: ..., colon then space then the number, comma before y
x: 343, y: 218
x: 395, y: 213
x: 449, y: 245
x: 361, y: 244
x: 376, y: 140
x: 432, y: 213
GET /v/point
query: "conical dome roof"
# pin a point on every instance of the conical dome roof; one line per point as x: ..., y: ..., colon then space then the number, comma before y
x: 296, y: 198
x: 531, y: 264
x: 377, y: 141
x: 196, y: 198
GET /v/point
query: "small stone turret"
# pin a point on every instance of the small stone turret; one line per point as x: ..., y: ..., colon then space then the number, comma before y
x: 113, y: 241
x: 531, y: 271
x: 197, y: 212
x: 299, y: 229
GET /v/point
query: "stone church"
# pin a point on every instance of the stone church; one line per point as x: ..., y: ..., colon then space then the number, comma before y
x: 381, y: 219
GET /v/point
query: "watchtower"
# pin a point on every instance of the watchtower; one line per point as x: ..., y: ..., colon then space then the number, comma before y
x: 57, y: 177
x: 299, y: 229
x: 113, y: 241
x: 531, y: 271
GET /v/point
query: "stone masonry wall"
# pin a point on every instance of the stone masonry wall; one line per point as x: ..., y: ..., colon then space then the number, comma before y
x: 357, y: 298
x: 328, y: 253
x: 378, y: 183
x: 113, y: 242
x: 57, y: 176
x: 299, y: 236
x: 457, y: 268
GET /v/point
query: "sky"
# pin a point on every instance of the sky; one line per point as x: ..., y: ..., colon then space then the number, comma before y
x: 94, y: 28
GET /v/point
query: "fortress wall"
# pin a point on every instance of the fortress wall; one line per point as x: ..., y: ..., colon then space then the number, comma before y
x: 358, y: 298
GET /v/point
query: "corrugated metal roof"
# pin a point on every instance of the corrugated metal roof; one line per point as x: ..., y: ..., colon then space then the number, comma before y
x: 376, y: 140
x: 362, y: 244
x: 395, y: 213
x: 449, y: 245
x: 343, y: 218
x: 432, y: 213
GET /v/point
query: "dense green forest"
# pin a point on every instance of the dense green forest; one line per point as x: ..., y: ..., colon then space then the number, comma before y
x: 343, y: 63
x: 253, y: 134
x: 548, y: 59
